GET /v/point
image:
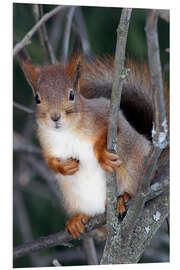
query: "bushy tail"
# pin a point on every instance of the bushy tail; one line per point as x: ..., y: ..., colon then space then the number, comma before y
x: 136, y: 99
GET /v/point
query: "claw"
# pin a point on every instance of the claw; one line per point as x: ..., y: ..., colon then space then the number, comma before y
x: 122, y: 204
x: 109, y: 161
x: 75, y: 225
x: 68, y: 167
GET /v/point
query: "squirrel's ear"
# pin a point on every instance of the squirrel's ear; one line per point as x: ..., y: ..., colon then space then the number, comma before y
x: 76, y: 56
x: 31, y: 73
x: 74, y: 70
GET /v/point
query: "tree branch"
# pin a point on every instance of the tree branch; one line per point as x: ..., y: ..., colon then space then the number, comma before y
x: 164, y: 14
x: 63, y: 237
x: 79, y: 19
x: 154, y: 214
x: 29, y: 35
x: 56, y: 30
x: 56, y: 263
x: 113, y: 226
x: 137, y: 203
x: 65, y: 45
x: 46, y: 174
x: 124, y: 238
x: 19, y: 181
x: 22, y: 107
x: 34, y: 188
x: 37, y: 16
x: 161, y: 183
x: 46, y: 39
x: 90, y: 250
x: 54, y: 239
x: 160, y: 129
x: 140, y: 226
x: 20, y: 144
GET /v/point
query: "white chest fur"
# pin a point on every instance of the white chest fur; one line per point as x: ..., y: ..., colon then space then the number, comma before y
x: 85, y: 191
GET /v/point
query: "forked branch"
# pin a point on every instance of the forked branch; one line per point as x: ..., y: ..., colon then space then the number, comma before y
x: 34, y: 29
x: 150, y: 164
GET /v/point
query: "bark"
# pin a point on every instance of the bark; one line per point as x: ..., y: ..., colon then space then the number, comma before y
x: 113, y: 242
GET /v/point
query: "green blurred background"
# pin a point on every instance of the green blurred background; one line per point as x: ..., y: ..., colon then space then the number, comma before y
x: 36, y: 206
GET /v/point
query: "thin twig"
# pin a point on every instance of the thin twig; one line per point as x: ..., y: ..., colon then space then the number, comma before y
x: 46, y: 174
x: 158, y: 188
x: 46, y: 40
x: 29, y: 35
x: 20, y: 144
x: 79, y: 19
x: 90, y: 251
x: 37, y: 16
x: 164, y: 14
x: 22, y: 107
x: 24, y: 224
x: 120, y: 74
x: 34, y: 188
x: 65, y: 255
x: 56, y: 30
x: 56, y: 263
x: 67, y: 31
x: 160, y: 129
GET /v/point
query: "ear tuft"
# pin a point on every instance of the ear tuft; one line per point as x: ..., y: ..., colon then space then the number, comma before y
x: 73, y: 65
x: 76, y: 75
x: 76, y: 56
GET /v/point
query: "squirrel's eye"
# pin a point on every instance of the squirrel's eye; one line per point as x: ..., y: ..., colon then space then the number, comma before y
x: 71, y: 95
x: 37, y: 99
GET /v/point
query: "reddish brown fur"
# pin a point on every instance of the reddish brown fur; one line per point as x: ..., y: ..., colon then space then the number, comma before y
x: 108, y: 161
x: 75, y: 225
x: 136, y: 100
x: 100, y: 143
x: 70, y: 68
x: 88, y: 117
x: 120, y: 202
x: 32, y: 73
x: 67, y: 167
x: 31, y: 70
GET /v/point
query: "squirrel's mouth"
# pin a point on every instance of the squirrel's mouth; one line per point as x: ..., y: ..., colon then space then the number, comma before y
x: 57, y: 125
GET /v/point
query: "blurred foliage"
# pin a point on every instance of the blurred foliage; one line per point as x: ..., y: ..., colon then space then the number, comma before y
x: 101, y: 23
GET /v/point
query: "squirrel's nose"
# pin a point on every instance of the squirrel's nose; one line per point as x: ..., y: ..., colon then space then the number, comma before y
x: 55, y: 117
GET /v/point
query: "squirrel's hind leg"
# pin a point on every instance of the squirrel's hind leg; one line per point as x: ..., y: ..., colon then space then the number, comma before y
x: 122, y: 201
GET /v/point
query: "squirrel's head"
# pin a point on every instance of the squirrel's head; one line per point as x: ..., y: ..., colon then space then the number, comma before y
x: 56, y: 92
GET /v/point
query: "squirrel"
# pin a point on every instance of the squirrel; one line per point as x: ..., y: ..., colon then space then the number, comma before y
x: 72, y: 103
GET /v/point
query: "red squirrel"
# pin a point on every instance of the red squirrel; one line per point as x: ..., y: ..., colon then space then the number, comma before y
x: 72, y: 120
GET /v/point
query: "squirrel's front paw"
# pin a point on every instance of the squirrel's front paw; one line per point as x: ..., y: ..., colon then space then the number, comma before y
x: 109, y: 161
x: 75, y: 225
x: 68, y: 167
x: 65, y: 167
